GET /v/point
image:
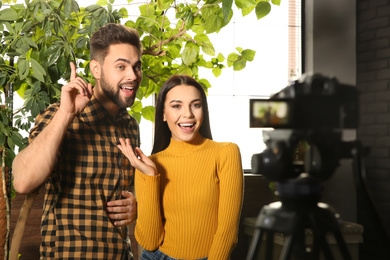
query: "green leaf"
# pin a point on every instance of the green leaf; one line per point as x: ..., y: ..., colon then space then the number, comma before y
x: 207, y: 46
x: 248, y: 10
x: 248, y: 54
x: 262, y: 9
x: 54, y: 56
x: 102, y: 2
x: 123, y: 11
x: 226, y: 9
x: 244, y: 3
x: 38, y: 70
x: 34, y: 109
x: 137, y: 106
x: 137, y: 116
x: 213, y: 24
x: 68, y: 9
x: 8, y: 15
x: 276, y: 2
x: 81, y: 42
x: 189, y: 54
x: 30, y: 42
x: 75, y: 6
x: 23, y: 68
x: 4, y: 129
x: 11, y: 144
x: 148, y: 113
x: 205, y: 84
x: 220, y: 57
x: 17, y: 138
x: 2, y: 138
x: 217, y: 71
x: 239, y: 65
x: 22, y: 89
x: 10, y: 156
x: 232, y: 58
x: 92, y: 8
x: 10, y: 28
x: 48, y: 29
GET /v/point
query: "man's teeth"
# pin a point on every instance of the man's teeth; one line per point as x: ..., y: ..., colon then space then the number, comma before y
x: 130, y: 88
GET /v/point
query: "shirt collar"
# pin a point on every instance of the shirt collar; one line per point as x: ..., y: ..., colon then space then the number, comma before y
x: 95, y: 111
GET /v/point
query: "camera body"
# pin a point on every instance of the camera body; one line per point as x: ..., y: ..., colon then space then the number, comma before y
x: 312, y: 102
x: 308, y: 115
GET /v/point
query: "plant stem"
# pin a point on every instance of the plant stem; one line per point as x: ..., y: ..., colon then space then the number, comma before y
x: 4, y: 180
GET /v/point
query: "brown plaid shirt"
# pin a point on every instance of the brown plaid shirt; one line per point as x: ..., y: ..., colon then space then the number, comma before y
x: 90, y: 171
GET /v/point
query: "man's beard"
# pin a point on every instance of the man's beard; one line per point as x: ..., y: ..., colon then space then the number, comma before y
x: 114, y: 95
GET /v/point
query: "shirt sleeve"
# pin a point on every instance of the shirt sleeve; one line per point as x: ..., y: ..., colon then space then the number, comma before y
x: 231, y: 181
x: 42, y: 120
x: 149, y: 230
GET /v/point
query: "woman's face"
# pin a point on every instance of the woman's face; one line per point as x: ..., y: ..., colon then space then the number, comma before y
x: 183, y: 112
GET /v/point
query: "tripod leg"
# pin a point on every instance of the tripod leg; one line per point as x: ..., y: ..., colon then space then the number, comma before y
x: 319, y: 241
x: 255, y: 245
x: 286, y: 251
x: 269, y: 245
x: 342, y: 245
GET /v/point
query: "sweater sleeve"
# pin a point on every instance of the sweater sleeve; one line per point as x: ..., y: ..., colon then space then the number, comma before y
x: 149, y: 228
x: 231, y: 181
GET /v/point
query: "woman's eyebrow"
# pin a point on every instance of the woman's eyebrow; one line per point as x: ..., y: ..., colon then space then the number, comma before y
x: 175, y: 100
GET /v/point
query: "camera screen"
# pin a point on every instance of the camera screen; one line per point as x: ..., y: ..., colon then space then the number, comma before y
x: 269, y: 113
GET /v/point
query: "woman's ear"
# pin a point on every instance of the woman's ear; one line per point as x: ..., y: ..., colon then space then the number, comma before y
x: 94, y: 66
x: 164, y: 118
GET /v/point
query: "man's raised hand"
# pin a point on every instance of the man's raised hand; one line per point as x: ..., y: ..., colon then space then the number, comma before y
x: 76, y: 94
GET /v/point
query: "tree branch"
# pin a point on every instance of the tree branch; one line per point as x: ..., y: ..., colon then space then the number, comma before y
x: 161, y: 43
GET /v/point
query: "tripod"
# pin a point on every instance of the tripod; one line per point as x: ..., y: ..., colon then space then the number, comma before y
x: 298, y: 211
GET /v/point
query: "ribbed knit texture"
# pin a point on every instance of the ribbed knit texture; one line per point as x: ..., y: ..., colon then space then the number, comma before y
x: 192, y: 208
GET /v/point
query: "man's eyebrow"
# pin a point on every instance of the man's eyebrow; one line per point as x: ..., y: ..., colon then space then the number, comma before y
x: 127, y: 61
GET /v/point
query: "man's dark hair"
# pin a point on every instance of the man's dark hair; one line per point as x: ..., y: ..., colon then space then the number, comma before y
x: 162, y: 134
x: 109, y: 34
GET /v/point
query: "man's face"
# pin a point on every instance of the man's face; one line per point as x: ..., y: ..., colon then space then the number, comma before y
x: 121, y: 74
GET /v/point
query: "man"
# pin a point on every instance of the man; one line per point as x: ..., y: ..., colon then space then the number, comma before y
x: 73, y: 150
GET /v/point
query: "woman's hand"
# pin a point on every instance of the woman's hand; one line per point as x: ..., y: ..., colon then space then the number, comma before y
x: 143, y: 163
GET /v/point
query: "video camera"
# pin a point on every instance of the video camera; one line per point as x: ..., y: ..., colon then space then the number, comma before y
x: 308, y: 117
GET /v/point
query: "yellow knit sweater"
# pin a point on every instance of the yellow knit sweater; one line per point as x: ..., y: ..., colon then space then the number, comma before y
x: 192, y: 208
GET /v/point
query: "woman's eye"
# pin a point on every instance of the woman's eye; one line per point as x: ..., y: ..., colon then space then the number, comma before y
x: 121, y: 67
x: 138, y: 67
x: 175, y: 106
x: 197, y: 105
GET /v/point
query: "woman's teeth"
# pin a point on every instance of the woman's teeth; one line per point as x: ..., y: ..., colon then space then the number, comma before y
x: 186, y: 125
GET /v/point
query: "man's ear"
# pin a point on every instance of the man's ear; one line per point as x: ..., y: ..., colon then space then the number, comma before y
x: 94, y: 66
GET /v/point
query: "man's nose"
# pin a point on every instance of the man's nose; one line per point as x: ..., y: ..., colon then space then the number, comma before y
x: 131, y: 75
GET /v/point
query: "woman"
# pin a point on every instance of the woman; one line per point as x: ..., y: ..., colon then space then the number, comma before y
x: 190, y: 189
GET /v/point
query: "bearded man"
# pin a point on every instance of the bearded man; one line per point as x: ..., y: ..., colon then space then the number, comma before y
x: 73, y: 151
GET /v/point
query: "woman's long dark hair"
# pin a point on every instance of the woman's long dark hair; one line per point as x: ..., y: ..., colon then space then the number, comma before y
x: 162, y: 134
